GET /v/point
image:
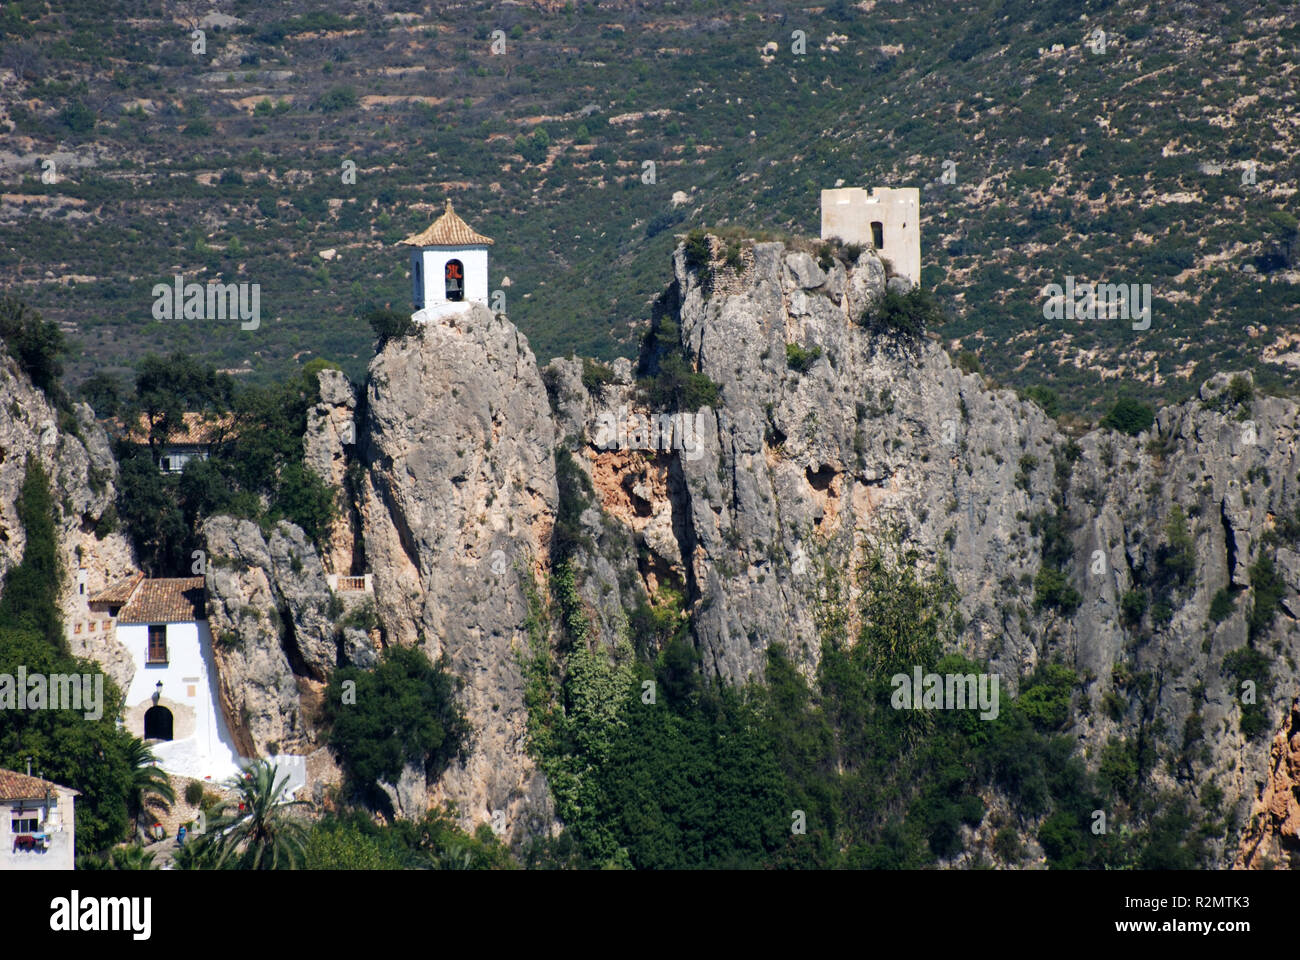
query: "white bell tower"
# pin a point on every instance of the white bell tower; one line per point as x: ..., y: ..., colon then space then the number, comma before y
x: 449, y: 267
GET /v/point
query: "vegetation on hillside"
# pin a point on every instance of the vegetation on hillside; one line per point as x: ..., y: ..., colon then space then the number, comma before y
x: 652, y: 768
x: 255, y: 468
x: 92, y: 756
x: 1059, y: 159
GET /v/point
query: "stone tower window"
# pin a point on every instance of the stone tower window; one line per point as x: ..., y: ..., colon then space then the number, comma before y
x: 877, y: 234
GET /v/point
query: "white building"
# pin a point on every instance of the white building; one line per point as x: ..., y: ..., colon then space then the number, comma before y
x: 172, y: 702
x: 449, y: 267
x: 37, y: 824
x: 886, y: 219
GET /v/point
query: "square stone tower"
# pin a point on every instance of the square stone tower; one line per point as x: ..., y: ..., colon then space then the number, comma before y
x: 887, y: 219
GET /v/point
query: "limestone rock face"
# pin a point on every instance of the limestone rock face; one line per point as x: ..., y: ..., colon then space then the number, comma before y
x: 273, y: 638
x: 1273, y: 832
x: 457, y: 508
x: 78, y: 459
x: 331, y: 433
x: 799, y: 469
x: 459, y: 456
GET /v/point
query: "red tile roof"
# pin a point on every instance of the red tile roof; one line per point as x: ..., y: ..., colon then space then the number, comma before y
x: 168, y: 600
x: 19, y: 786
x: 195, y: 429
x: 449, y: 230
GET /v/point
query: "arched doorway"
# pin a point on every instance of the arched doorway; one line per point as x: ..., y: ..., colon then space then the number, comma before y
x: 455, y: 277
x: 157, y: 723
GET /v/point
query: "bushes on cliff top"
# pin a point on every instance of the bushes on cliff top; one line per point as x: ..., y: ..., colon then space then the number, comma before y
x: 36, y: 344
x: 389, y: 324
x: 905, y: 315
x: 1129, y: 416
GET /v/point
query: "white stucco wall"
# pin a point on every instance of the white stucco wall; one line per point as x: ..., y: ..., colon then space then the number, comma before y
x: 848, y: 212
x: 203, y: 747
x: 57, y: 821
x: 428, y: 283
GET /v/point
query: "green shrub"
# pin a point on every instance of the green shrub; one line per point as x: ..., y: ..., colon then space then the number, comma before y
x: 697, y: 250
x: 905, y: 315
x: 389, y: 324
x: 1129, y: 416
x: 405, y: 712
x: 1268, y: 588
x: 36, y: 344
x: 1053, y: 590
x: 1045, y: 397
x: 77, y: 117
x: 1133, y: 605
x: 1248, y: 664
x: 1222, y: 604
x: 595, y: 375
x: 340, y: 98
x: 799, y: 359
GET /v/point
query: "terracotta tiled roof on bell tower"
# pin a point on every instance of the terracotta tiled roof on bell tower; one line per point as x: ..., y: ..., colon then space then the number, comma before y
x: 449, y: 230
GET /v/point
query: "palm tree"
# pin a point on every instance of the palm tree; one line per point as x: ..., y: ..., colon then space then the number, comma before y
x: 261, y: 835
x: 148, y: 782
x: 132, y: 857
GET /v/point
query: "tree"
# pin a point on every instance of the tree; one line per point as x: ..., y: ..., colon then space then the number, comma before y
x: 36, y: 344
x: 404, y: 712
x: 389, y: 324
x: 261, y: 833
x: 168, y: 387
x: 147, y: 504
x: 149, y: 784
x: 1129, y: 416
x: 103, y: 392
x: 31, y: 588
x: 1046, y: 398
x: 905, y: 315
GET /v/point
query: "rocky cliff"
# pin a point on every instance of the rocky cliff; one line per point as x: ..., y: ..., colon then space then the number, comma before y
x: 77, y: 456
x: 1144, y: 563
x: 782, y: 480
x: 457, y: 505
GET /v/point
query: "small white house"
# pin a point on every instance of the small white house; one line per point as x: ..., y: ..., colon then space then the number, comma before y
x: 171, y: 702
x: 37, y: 823
x: 449, y: 267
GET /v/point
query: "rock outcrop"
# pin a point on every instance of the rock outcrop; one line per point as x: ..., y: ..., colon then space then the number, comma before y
x: 1134, y: 560
x: 274, y: 637
x: 802, y: 461
x: 1272, y: 834
x: 78, y: 458
x: 331, y: 435
x: 457, y: 508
